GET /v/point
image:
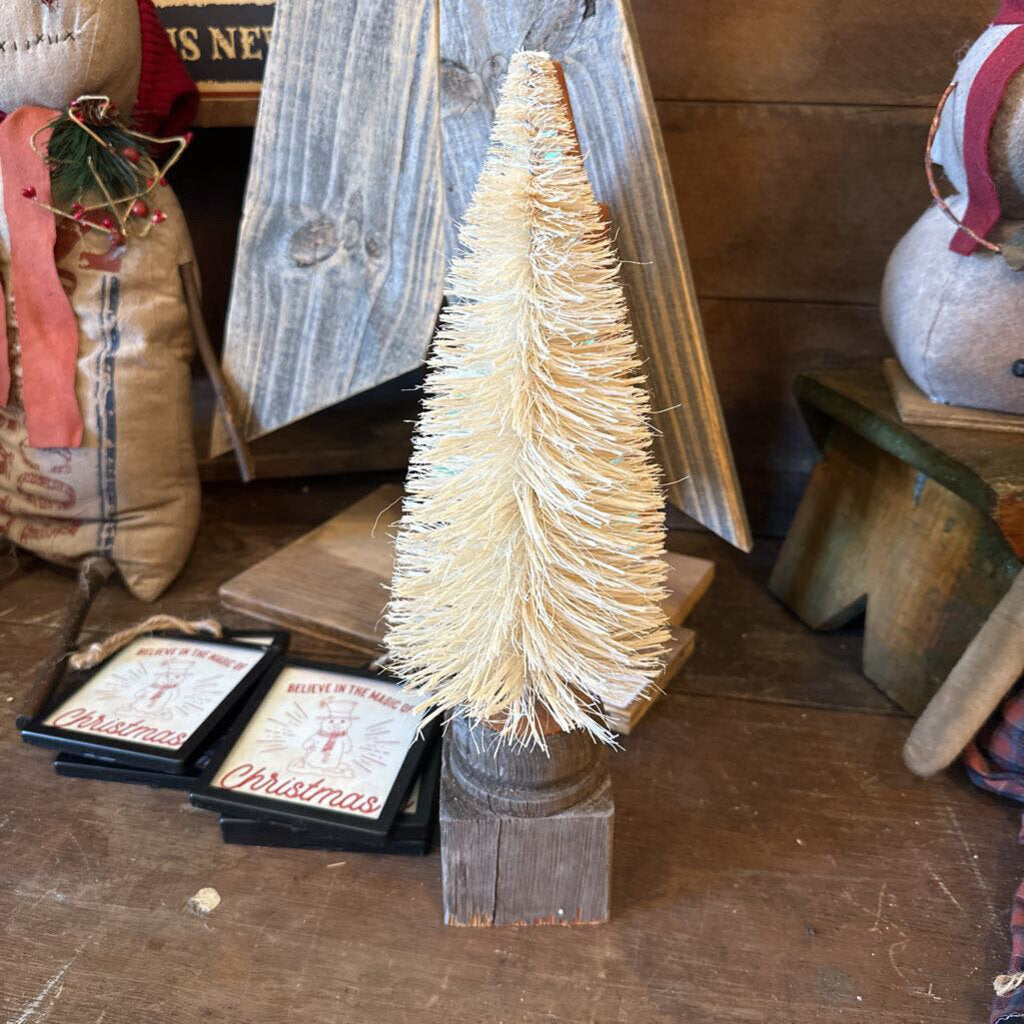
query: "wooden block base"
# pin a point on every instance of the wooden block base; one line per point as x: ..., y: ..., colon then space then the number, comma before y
x: 624, y: 718
x: 914, y: 406
x: 499, y: 869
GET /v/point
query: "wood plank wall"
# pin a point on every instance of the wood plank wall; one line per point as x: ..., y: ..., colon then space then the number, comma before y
x: 795, y: 130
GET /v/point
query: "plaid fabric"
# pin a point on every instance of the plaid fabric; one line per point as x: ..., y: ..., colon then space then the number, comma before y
x: 995, y: 761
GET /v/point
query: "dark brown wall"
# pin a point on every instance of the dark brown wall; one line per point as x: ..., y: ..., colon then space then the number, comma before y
x: 795, y: 131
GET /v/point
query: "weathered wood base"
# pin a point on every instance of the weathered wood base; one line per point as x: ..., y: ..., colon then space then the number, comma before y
x: 915, y: 407
x: 498, y: 868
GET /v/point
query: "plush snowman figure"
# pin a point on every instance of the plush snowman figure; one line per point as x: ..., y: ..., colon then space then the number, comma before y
x: 330, y: 746
x: 96, y: 452
x: 953, y: 308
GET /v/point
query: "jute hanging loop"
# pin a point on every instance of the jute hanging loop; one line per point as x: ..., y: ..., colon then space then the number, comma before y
x: 99, y: 651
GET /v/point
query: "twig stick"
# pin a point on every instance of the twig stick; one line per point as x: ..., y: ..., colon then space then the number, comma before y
x: 225, y: 400
x: 92, y: 574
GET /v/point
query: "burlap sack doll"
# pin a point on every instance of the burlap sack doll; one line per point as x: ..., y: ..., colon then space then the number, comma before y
x: 952, y: 306
x: 96, y: 452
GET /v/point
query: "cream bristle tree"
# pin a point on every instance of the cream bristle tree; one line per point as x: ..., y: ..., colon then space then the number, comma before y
x: 529, y: 569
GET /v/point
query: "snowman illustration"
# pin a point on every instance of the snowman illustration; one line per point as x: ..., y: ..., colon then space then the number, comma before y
x: 158, y: 696
x: 327, y: 749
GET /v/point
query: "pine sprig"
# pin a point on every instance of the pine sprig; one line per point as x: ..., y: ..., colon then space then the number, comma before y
x: 71, y: 149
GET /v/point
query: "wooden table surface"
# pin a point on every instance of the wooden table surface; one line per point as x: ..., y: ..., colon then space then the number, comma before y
x: 774, y: 861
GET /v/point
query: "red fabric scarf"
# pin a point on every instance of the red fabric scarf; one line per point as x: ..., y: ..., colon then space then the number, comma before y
x: 166, y: 105
x: 46, y: 322
x: 987, y: 91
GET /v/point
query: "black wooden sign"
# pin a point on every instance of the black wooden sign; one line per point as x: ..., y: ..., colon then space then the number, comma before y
x: 224, y: 45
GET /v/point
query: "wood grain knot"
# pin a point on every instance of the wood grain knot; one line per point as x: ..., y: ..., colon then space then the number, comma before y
x: 494, y: 71
x: 461, y: 88
x: 314, y: 242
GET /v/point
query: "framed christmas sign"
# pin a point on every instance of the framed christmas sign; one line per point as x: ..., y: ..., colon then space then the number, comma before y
x: 156, y: 703
x: 320, y: 747
x: 107, y: 768
x: 224, y: 45
x: 412, y: 833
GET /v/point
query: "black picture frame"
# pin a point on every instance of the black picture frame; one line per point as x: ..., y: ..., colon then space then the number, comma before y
x: 79, y: 766
x: 107, y: 769
x: 275, y: 835
x: 412, y: 834
x: 110, y: 750
x: 419, y: 824
x: 233, y: 804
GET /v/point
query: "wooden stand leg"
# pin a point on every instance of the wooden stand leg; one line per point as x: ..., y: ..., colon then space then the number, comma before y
x: 873, y: 533
x: 991, y: 665
x: 526, y: 838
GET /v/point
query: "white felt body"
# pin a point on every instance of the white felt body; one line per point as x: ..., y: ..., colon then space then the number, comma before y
x: 956, y: 322
x: 1007, y: 139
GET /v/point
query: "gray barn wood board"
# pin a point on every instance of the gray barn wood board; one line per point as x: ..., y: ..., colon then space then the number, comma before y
x: 596, y: 42
x: 339, y: 274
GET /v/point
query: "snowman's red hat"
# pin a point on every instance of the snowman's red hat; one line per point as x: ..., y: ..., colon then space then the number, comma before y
x: 983, y: 101
x: 168, y: 98
x: 1011, y: 12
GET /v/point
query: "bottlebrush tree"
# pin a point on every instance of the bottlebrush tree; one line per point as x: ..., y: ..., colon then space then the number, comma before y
x: 529, y: 570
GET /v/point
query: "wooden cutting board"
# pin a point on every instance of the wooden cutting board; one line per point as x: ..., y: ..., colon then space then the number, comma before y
x: 331, y: 584
x: 623, y: 719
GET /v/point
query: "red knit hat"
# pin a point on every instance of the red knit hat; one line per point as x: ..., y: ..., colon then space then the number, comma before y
x: 168, y: 98
x: 1011, y: 12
